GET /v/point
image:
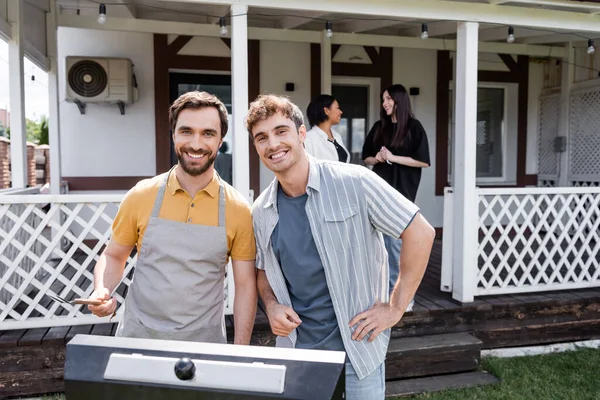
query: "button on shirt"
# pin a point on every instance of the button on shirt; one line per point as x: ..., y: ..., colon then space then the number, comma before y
x: 348, y: 208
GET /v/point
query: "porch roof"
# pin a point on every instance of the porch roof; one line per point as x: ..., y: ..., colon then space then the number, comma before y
x: 395, y: 23
x: 543, y: 21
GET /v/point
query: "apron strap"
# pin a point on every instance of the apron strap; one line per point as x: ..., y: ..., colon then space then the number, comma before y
x: 160, y: 195
x: 221, y: 205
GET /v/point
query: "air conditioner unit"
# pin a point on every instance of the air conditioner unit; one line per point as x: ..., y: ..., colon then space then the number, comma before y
x: 99, y: 80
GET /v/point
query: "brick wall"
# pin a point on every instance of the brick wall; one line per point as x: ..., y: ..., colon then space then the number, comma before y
x: 4, y: 163
x: 43, y: 163
x: 31, y: 164
x: 38, y: 164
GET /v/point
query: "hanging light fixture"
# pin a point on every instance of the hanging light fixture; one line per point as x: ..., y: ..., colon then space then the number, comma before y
x: 511, y: 35
x: 591, y: 48
x: 328, y: 29
x: 102, y: 13
x: 223, y: 26
x: 424, y: 32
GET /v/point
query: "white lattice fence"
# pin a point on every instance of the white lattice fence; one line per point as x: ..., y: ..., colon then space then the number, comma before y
x: 537, y: 239
x: 548, y: 130
x: 49, y: 245
x: 6, y: 224
x: 584, y: 183
x: 584, y: 135
x: 547, y: 183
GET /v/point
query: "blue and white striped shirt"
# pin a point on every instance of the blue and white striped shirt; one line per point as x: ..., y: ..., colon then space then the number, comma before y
x: 348, y: 208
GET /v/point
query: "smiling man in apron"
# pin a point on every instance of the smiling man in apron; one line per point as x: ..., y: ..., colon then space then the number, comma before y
x: 186, y: 223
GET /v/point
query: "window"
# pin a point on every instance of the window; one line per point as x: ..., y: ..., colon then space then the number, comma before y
x: 491, y: 135
x: 354, y: 103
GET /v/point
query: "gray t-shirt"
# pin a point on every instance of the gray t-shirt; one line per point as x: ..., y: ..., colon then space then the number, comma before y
x: 295, y: 249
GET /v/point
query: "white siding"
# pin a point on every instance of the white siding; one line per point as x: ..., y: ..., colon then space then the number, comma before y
x: 205, y: 46
x: 103, y: 142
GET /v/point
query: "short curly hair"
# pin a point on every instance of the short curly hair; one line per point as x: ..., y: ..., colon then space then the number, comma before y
x: 267, y: 105
x: 196, y: 100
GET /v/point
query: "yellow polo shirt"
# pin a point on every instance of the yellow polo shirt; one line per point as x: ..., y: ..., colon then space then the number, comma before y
x: 134, y: 213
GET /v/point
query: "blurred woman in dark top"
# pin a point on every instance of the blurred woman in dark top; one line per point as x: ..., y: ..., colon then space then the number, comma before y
x: 398, y: 150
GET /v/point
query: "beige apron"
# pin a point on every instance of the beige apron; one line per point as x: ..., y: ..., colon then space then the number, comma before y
x: 177, y: 289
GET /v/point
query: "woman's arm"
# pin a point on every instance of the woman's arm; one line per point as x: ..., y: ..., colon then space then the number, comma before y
x: 371, y: 160
x: 408, y: 161
x: 370, y: 155
x: 419, y: 153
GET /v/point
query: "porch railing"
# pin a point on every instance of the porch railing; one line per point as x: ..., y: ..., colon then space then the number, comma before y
x: 531, y: 240
x: 49, y: 244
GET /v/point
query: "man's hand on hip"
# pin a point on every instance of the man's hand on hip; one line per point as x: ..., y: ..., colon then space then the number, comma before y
x: 375, y: 320
x: 283, y: 319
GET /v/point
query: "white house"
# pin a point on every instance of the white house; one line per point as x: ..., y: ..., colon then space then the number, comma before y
x: 507, y: 91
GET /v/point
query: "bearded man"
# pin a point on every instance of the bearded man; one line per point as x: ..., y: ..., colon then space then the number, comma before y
x: 186, y: 223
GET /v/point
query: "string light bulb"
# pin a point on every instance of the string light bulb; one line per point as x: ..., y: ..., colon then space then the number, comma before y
x: 424, y: 32
x: 102, y: 14
x: 511, y: 35
x: 591, y: 48
x: 328, y: 29
x: 224, y: 31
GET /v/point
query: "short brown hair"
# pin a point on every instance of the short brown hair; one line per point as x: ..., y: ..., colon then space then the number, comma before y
x: 267, y: 105
x: 196, y: 100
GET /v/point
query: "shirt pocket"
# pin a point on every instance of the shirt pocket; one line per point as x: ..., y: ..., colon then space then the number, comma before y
x: 342, y: 224
x: 342, y: 214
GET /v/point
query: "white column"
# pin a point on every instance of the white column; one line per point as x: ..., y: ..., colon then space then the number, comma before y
x: 465, y: 197
x: 566, y: 81
x: 18, y: 138
x: 325, y: 63
x: 53, y: 99
x: 239, y: 81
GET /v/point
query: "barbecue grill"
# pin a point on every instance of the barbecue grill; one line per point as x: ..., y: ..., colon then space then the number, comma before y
x: 101, y: 367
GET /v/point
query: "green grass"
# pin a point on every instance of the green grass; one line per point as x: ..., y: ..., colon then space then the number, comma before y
x: 573, y: 375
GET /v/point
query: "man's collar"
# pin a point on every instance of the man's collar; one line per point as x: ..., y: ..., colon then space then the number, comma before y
x: 174, y: 186
x: 314, y: 182
x: 272, y: 194
x: 314, y: 178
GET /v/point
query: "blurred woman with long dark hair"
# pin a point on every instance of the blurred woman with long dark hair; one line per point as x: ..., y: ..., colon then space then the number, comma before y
x: 398, y: 150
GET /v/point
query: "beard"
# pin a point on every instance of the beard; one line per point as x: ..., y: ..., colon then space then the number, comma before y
x: 196, y: 170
